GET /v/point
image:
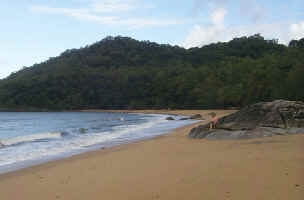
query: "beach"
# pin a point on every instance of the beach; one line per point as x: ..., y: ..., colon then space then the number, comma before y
x: 170, y: 166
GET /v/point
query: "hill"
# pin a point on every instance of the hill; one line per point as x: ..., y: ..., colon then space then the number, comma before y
x: 120, y: 72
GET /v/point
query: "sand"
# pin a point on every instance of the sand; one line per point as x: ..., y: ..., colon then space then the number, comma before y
x: 170, y: 167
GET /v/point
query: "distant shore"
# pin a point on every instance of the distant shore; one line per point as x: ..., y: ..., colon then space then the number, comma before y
x: 147, y: 111
x: 203, y: 113
x: 170, y: 167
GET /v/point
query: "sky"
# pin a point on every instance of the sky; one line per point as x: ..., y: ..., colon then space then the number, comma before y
x: 34, y: 30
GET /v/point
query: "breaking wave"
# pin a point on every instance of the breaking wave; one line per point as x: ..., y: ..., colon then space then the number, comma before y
x: 30, y: 138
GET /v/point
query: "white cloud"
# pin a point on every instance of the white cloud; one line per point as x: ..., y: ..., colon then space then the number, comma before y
x: 106, y: 12
x: 203, y: 35
x: 109, y: 6
x: 51, y: 10
x: 201, y: 5
x: 297, y: 30
x: 82, y: 14
x: 253, y: 10
x: 218, y: 31
x: 218, y: 15
x: 199, y: 35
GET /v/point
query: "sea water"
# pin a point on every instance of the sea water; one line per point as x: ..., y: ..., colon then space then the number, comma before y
x: 31, y: 138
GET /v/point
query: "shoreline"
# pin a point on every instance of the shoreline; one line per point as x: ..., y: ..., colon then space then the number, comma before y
x: 170, y: 166
x: 103, y: 150
x: 166, y: 112
x: 204, y: 113
x: 96, y: 147
x: 38, y: 164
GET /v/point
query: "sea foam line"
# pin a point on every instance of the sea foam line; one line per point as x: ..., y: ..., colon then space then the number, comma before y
x: 29, y: 138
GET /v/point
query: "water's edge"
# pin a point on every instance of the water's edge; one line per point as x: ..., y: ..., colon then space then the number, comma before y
x: 97, y: 147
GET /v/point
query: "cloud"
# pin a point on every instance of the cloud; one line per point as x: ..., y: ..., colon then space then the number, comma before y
x: 65, y: 11
x: 218, y: 15
x: 107, y: 13
x: 248, y: 8
x: 203, y: 35
x: 218, y: 31
x: 113, y: 6
x: 82, y: 14
x: 199, y: 35
x: 200, y: 5
x: 213, y: 3
x: 297, y: 30
x: 251, y: 9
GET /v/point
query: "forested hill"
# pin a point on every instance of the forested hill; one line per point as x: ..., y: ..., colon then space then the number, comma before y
x: 120, y: 72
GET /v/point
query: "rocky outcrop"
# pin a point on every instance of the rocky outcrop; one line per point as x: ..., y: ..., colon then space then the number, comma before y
x: 279, y: 117
x: 197, y: 116
x: 169, y: 118
x: 184, y: 118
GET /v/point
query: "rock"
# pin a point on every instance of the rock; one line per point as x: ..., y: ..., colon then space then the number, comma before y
x: 169, y: 118
x: 82, y: 130
x: 263, y: 119
x: 200, y: 131
x: 185, y: 118
x: 64, y: 133
x: 197, y: 116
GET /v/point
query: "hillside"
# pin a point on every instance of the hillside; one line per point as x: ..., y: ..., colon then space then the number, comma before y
x: 120, y: 72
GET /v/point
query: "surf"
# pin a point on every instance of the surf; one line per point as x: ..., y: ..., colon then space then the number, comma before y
x: 30, y: 138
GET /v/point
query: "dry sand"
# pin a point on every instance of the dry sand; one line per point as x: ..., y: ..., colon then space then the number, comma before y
x: 170, y: 167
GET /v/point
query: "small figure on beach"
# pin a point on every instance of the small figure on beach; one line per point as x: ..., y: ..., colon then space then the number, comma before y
x: 213, y: 121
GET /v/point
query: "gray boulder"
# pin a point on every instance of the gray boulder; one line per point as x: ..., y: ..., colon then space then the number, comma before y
x: 169, y: 118
x: 184, y: 118
x: 82, y: 130
x: 278, y: 117
x: 197, y: 116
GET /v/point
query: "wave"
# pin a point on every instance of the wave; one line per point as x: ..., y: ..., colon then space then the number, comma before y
x: 31, y: 138
x: 70, y: 141
x: 81, y: 136
x: 123, y: 129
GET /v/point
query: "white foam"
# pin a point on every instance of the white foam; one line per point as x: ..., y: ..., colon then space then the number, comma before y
x: 31, y: 150
x: 29, y: 138
x: 123, y: 129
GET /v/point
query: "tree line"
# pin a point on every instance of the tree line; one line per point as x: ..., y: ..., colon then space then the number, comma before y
x: 123, y: 73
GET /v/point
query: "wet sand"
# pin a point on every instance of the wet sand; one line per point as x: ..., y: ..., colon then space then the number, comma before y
x: 169, y: 167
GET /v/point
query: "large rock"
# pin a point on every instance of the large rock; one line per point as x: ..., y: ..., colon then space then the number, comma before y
x: 279, y: 117
x: 197, y: 116
x: 169, y: 118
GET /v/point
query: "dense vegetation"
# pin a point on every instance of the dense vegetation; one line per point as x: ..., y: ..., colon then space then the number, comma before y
x: 120, y: 72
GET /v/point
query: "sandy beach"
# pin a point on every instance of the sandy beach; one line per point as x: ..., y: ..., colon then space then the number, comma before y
x: 169, y: 167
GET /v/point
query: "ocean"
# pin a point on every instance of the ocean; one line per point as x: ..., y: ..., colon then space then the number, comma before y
x: 28, y: 139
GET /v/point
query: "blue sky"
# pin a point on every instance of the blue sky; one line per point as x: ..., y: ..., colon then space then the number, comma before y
x: 34, y: 30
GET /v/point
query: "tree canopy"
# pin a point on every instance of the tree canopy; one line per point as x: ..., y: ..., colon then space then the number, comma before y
x: 120, y: 72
